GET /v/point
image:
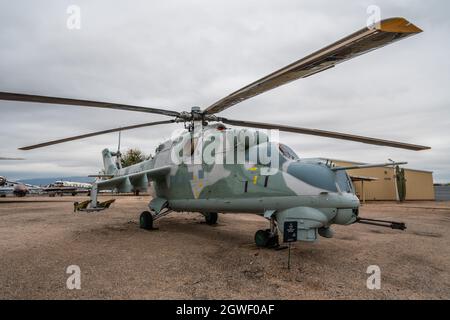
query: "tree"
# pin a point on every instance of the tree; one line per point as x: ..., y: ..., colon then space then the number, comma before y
x: 132, y: 156
x: 401, y: 183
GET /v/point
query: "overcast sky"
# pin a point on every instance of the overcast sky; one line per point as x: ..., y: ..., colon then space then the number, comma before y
x: 177, y: 54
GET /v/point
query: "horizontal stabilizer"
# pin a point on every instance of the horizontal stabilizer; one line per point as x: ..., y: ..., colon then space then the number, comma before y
x: 106, y: 176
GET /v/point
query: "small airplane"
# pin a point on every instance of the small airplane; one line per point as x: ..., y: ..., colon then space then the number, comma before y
x: 67, y: 187
x: 250, y: 171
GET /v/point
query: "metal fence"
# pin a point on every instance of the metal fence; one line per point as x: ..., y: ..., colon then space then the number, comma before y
x: 442, y: 193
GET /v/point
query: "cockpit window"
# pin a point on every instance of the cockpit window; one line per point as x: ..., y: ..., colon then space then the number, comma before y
x: 288, y: 152
x: 344, y: 182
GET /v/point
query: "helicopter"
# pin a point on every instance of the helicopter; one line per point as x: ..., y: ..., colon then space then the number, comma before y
x: 10, y: 187
x: 212, y: 168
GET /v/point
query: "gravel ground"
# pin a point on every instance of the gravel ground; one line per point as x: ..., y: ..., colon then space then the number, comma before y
x: 187, y: 259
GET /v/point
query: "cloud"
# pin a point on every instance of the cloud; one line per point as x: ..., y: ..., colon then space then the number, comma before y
x: 177, y: 54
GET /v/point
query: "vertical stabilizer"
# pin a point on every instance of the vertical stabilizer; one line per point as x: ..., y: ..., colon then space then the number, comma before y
x: 108, y: 163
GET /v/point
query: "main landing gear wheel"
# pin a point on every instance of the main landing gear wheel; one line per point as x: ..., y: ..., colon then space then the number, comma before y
x: 210, y: 218
x: 146, y: 221
x: 265, y: 239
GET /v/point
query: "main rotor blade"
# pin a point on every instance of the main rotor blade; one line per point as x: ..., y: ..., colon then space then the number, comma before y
x: 360, y: 42
x: 3, y: 158
x: 45, y: 144
x: 82, y: 103
x: 328, y: 134
x: 369, y: 166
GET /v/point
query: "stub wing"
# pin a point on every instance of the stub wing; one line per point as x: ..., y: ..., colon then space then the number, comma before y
x: 139, y: 179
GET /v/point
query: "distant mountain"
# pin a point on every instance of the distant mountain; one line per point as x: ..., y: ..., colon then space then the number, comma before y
x: 47, y: 181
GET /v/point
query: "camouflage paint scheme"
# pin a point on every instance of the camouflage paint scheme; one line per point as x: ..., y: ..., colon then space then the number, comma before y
x: 307, y: 191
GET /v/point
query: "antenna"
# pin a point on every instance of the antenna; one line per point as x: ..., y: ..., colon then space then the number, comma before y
x: 118, y: 147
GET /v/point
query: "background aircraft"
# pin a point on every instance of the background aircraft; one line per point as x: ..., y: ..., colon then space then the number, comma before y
x: 15, y: 188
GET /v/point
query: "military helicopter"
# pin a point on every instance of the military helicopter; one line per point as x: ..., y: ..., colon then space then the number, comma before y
x: 10, y: 187
x: 250, y: 172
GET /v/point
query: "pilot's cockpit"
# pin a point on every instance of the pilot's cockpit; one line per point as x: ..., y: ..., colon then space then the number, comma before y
x: 344, y: 182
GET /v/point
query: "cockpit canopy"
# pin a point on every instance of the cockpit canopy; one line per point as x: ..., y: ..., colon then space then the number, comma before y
x: 288, y: 153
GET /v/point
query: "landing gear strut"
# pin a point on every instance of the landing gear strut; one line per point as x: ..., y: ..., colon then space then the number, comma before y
x: 148, y: 218
x: 268, y: 238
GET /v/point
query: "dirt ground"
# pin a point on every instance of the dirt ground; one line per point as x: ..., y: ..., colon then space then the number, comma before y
x: 187, y: 259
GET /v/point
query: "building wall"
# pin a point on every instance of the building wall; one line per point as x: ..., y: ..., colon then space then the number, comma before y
x: 419, y: 184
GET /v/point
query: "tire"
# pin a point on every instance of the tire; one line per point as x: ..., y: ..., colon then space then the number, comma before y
x: 273, y: 240
x: 211, y: 218
x: 262, y: 238
x: 146, y: 221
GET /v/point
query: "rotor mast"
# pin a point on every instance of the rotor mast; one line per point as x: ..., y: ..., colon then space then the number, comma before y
x: 195, y: 117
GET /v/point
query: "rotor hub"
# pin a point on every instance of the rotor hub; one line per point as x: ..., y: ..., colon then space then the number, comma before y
x: 196, y: 114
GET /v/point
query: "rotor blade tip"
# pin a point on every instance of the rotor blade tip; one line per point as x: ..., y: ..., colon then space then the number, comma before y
x: 398, y: 25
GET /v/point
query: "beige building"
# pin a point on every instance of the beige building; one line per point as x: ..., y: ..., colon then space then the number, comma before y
x: 378, y: 184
